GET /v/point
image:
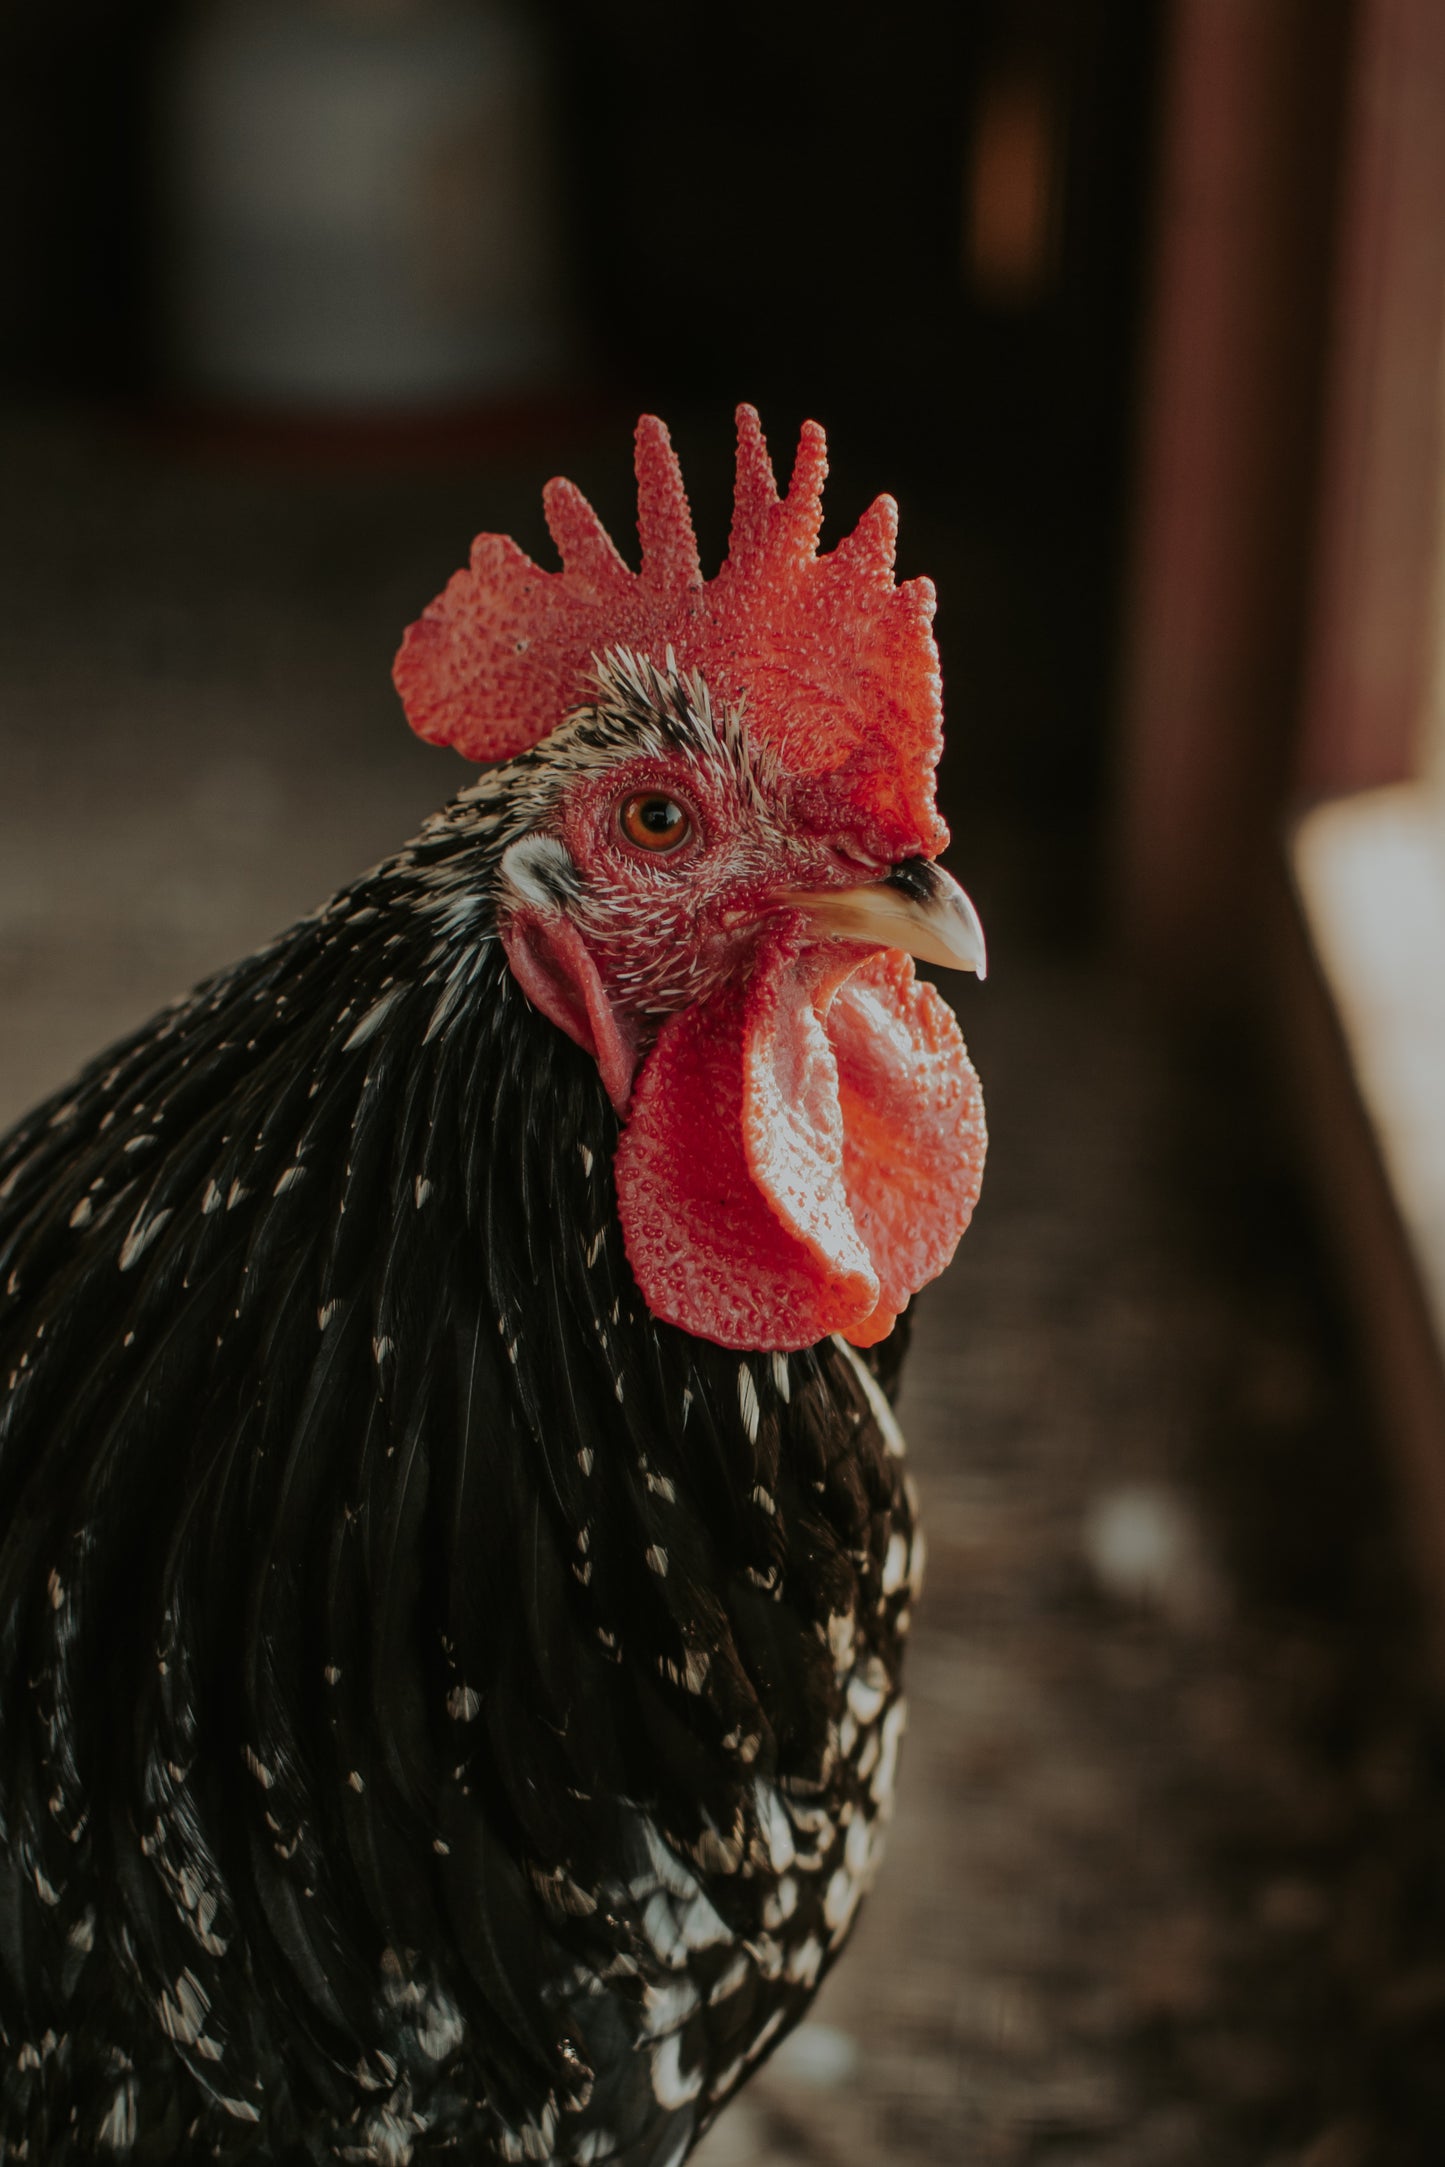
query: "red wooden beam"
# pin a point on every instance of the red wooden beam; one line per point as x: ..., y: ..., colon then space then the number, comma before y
x: 1233, y: 388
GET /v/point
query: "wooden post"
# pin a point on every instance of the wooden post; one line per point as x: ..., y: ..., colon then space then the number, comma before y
x: 1226, y: 474
x: 1373, y: 643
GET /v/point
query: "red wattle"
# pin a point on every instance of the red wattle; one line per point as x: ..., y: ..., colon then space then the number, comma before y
x: 550, y: 962
x: 800, y: 1155
x: 707, y: 1248
x: 913, y: 1128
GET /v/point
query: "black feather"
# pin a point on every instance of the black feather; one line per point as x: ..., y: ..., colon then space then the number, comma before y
x: 439, y: 1704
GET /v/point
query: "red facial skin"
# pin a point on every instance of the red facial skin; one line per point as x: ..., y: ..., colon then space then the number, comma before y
x: 668, y: 927
x: 804, y: 1136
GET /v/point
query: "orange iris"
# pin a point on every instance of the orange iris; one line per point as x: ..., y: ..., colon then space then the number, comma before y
x: 653, y: 820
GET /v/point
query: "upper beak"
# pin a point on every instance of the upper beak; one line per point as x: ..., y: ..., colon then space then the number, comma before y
x: 918, y: 908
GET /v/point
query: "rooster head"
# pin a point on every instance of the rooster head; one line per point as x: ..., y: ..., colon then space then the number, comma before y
x: 719, y: 856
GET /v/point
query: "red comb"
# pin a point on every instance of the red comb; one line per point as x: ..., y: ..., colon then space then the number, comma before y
x: 836, y: 666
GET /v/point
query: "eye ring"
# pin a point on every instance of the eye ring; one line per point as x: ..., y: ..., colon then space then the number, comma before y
x: 653, y: 821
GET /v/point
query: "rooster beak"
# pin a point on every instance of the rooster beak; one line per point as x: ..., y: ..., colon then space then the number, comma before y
x: 918, y: 908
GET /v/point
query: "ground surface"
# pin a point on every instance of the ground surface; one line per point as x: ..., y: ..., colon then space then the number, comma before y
x: 1165, y: 1888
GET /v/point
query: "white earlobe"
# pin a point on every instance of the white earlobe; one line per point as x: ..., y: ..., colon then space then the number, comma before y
x: 539, y: 870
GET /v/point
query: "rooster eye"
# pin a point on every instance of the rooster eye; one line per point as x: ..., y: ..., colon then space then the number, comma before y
x: 653, y: 820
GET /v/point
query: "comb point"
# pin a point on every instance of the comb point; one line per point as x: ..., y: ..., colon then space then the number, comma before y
x: 664, y: 519
x: 803, y: 505
x: 755, y: 492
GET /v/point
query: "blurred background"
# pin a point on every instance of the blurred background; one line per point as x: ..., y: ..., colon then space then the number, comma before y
x: 1136, y: 306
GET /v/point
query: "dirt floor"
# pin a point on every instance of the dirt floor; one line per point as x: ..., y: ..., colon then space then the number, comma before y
x: 1167, y: 1884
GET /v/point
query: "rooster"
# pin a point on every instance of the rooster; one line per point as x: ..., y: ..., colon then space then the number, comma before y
x: 455, y: 1554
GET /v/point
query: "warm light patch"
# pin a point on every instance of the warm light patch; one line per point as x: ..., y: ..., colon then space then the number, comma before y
x: 1011, y: 191
x: 1371, y: 871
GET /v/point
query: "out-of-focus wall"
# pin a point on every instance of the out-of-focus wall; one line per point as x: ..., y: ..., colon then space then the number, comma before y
x: 924, y: 228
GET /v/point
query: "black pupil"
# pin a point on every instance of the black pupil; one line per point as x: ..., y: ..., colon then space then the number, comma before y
x: 658, y: 815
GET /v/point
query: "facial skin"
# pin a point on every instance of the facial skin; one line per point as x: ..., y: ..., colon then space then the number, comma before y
x: 659, y: 847
x: 666, y: 926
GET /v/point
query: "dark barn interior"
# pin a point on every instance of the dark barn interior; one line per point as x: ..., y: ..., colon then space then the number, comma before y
x: 1167, y: 1883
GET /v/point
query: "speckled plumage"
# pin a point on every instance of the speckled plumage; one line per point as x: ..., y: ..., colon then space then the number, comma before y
x: 441, y: 1707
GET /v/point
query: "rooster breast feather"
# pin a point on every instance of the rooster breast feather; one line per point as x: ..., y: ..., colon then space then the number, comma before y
x: 437, y: 1698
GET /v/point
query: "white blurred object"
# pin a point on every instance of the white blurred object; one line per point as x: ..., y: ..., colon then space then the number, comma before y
x: 359, y: 203
x: 1143, y: 1546
x: 818, y: 2055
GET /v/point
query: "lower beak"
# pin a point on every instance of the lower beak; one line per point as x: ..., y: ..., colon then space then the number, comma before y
x: 919, y: 908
